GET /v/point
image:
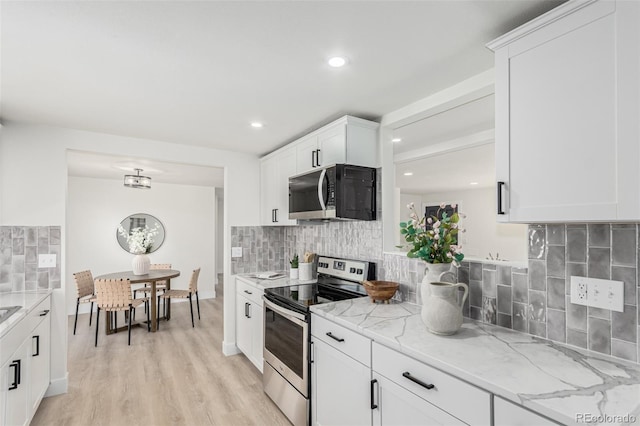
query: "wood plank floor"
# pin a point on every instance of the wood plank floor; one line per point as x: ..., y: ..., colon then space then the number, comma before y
x: 177, y: 376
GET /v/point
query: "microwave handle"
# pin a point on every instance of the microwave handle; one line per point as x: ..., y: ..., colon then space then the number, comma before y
x: 323, y: 174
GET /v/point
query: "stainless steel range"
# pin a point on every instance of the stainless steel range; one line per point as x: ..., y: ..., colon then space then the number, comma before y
x: 287, y: 331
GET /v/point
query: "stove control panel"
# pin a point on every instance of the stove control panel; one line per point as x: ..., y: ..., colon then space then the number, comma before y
x: 353, y: 270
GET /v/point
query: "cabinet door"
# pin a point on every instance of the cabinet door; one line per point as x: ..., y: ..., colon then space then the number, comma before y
x: 269, y: 198
x: 15, y: 378
x: 286, y: 167
x: 332, y: 145
x: 398, y: 406
x: 341, y: 388
x: 564, y: 96
x: 306, y: 154
x: 257, y: 334
x: 40, y: 366
x: 243, y: 325
x: 508, y: 414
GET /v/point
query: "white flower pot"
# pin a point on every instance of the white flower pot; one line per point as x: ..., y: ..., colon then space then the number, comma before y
x: 293, y: 273
x: 140, y: 264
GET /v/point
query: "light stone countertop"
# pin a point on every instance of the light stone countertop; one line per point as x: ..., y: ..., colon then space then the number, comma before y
x: 555, y: 380
x: 26, y: 299
x: 263, y: 284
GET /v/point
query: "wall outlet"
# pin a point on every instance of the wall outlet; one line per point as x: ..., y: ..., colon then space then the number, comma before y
x: 46, y: 261
x: 605, y: 294
x: 236, y: 251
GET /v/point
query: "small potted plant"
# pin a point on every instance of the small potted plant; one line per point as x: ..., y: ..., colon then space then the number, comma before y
x: 293, y: 272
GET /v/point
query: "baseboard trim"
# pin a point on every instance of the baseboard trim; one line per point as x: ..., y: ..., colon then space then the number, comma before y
x: 58, y: 386
x: 229, y: 349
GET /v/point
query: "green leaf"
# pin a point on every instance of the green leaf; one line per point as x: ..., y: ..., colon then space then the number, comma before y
x: 455, y: 217
x: 403, y: 224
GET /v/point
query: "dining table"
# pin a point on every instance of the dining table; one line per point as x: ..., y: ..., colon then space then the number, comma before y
x: 152, y: 278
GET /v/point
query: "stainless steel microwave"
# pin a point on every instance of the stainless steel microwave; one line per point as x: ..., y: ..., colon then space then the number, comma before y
x: 339, y: 191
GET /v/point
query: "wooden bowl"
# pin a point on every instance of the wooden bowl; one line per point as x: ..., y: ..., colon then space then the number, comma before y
x: 380, y: 290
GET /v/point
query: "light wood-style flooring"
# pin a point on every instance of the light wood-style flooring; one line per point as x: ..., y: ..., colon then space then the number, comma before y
x: 177, y: 376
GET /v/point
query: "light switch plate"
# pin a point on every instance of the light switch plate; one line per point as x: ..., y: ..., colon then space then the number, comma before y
x: 46, y: 261
x: 236, y: 251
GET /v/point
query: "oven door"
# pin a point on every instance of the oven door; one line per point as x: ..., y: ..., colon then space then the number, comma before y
x: 286, y: 337
x: 308, y: 196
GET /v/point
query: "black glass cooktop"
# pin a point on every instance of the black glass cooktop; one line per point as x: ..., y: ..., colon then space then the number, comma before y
x: 326, y: 290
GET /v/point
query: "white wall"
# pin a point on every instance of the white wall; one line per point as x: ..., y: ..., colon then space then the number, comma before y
x: 96, y: 207
x: 484, y: 235
x: 219, y: 230
x: 33, y: 175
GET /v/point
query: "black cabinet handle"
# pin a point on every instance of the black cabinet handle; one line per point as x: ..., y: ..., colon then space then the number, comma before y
x: 337, y: 339
x: 15, y: 364
x: 417, y: 381
x: 248, y: 310
x: 500, y: 186
x: 44, y: 313
x: 373, y: 383
x: 37, y: 345
x: 248, y: 292
x: 275, y: 215
x: 318, y: 157
x: 313, y: 158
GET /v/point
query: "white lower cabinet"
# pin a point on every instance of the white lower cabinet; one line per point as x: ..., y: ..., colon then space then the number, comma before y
x: 40, y: 355
x: 340, y: 375
x: 249, y: 322
x: 396, y: 405
x: 25, y: 356
x: 427, y: 390
x: 15, y: 385
x: 509, y: 414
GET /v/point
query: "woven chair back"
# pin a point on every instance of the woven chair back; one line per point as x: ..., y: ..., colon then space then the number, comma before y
x: 113, y: 294
x: 155, y: 266
x: 193, y: 283
x: 84, y: 283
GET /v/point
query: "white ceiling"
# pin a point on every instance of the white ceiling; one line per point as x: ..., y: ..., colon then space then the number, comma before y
x: 197, y: 72
x: 87, y: 164
x: 453, y: 171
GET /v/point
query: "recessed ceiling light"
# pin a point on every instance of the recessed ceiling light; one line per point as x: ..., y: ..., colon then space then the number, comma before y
x: 396, y: 140
x: 473, y: 183
x: 408, y: 174
x: 337, y: 62
x: 257, y: 124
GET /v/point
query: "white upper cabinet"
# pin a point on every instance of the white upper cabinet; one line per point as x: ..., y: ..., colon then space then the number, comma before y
x: 274, y: 187
x: 567, y: 108
x: 347, y: 140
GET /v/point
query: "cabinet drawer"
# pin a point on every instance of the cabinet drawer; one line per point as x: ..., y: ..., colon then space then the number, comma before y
x: 249, y: 291
x: 462, y: 400
x: 22, y: 329
x: 349, y: 342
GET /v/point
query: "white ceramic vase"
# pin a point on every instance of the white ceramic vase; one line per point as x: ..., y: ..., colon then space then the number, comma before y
x: 435, y: 272
x: 293, y: 273
x: 441, y: 312
x: 140, y: 264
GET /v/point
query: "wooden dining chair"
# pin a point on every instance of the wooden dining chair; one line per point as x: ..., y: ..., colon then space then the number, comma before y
x: 113, y: 296
x: 85, y: 294
x: 183, y: 294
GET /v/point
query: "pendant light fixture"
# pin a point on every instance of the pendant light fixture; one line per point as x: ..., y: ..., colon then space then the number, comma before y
x: 137, y: 181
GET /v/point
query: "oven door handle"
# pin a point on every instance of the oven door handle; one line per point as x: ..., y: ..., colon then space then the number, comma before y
x: 288, y: 314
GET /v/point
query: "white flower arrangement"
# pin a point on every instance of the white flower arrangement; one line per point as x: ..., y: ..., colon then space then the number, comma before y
x: 140, y: 240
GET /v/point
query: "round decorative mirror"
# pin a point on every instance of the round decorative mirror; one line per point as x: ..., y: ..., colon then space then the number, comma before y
x: 140, y: 233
